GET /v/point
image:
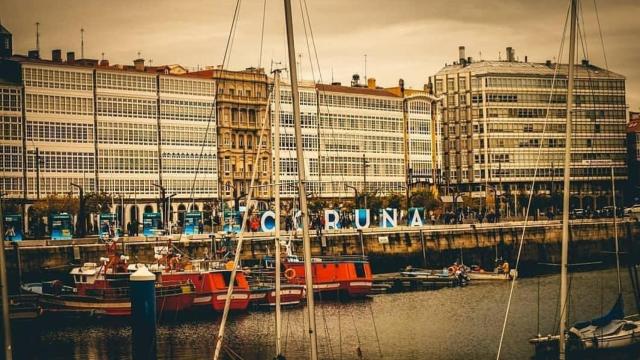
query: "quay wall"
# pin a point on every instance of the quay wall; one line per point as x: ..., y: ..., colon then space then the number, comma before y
x: 388, y: 249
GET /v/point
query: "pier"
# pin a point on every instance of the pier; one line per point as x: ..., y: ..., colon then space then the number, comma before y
x: 388, y: 249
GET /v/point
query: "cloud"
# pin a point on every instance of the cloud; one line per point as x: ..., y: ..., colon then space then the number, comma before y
x: 403, y: 38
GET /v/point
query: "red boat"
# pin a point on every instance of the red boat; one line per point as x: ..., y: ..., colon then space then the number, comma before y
x: 104, y: 289
x: 348, y: 275
x: 263, y: 289
x: 210, y: 278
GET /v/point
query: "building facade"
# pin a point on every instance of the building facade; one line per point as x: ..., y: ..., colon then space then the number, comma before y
x: 633, y: 159
x: 125, y: 131
x: 354, y: 140
x: 242, y: 98
x: 504, y: 121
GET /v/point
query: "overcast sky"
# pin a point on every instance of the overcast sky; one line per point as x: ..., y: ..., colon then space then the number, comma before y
x: 408, y: 39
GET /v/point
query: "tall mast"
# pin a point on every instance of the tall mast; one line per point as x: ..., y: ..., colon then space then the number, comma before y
x: 295, y: 97
x: 276, y: 180
x: 567, y: 184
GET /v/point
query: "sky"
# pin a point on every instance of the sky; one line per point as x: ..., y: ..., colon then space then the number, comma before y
x: 409, y: 39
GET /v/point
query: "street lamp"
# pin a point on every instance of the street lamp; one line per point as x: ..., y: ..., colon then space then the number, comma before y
x: 163, y: 200
x: 357, y: 200
x: 365, y: 165
x: 81, y: 220
x: 170, y: 212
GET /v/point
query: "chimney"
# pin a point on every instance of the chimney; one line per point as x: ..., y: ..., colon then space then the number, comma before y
x: 56, y: 55
x: 585, y: 62
x: 511, y: 54
x: 548, y: 63
x: 336, y: 83
x: 461, y: 55
x: 401, y: 85
x: 104, y: 62
x: 71, y: 57
x: 371, y: 83
x: 33, y: 54
x: 469, y: 60
x: 138, y: 64
x: 526, y: 58
x: 355, y: 80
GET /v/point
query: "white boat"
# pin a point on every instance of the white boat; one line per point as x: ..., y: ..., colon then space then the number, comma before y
x: 492, y: 275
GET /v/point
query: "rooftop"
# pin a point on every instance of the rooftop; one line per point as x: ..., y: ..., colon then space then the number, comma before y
x: 483, y: 67
x: 355, y: 90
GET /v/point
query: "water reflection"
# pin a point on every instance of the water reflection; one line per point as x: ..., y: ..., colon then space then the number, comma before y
x: 458, y: 323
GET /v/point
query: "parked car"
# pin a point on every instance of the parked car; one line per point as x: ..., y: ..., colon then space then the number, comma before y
x: 577, y: 214
x: 635, y: 209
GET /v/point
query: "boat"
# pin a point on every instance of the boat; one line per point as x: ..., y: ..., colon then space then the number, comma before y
x: 98, y: 293
x: 210, y: 278
x: 478, y: 273
x: 104, y: 289
x: 350, y: 275
x: 262, y: 282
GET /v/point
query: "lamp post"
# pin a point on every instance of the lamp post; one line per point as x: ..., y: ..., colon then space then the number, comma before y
x: 163, y: 201
x: 170, y: 212
x: 365, y: 165
x: 355, y: 190
x: 81, y: 218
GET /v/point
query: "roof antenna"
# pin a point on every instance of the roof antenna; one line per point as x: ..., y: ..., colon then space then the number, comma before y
x: 102, y: 56
x: 365, y: 68
x: 332, y: 74
x: 38, y: 36
x: 82, y: 42
x: 480, y: 55
x: 499, y: 56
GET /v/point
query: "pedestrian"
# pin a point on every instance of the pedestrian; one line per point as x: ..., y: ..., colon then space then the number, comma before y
x: 129, y: 229
x: 10, y: 233
x: 200, y: 227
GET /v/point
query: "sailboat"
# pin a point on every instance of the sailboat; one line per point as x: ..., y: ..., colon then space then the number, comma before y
x: 606, y: 332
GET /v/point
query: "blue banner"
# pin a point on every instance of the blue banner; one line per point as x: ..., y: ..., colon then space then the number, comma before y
x: 13, y: 227
x: 192, y: 222
x: 151, y: 223
x: 60, y: 225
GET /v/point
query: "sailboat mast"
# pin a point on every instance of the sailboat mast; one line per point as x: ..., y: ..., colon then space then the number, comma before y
x: 615, y: 228
x: 306, y: 240
x: 564, y: 280
x: 276, y: 180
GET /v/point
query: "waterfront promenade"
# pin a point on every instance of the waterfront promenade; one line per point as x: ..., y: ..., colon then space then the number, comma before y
x: 388, y: 249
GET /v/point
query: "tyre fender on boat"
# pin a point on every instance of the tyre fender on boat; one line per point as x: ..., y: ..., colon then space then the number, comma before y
x: 290, y: 273
x: 451, y: 270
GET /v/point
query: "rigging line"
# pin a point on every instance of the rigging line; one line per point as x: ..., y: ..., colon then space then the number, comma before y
x: 535, y: 173
x: 236, y: 261
x: 306, y: 38
x: 233, y: 36
x: 359, y: 349
x: 375, y: 329
x: 342, y: 188
x: 213, y: 109
x: 264, y: 15
x: 326, y: 328
x: 604, y: 53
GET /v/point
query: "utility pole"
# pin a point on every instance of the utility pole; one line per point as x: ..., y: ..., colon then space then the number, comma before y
x: 81, y: 219
x: 6, y: 322
x: 37, y: 173
x: 163, y: 201
x: 365, y: 164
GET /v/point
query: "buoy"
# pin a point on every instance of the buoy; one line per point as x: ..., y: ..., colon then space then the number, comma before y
x: 290, y: 273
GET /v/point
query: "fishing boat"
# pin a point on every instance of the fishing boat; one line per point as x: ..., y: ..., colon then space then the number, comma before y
x: 101, y: 293
x: 350, y: 275
x: 211, y: 279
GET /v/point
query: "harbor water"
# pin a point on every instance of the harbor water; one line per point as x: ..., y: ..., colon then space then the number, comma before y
x: 451, y: 323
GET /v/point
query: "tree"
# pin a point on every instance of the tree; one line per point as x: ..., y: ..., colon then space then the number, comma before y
x: 316, y: 205
x: 52, y: 204
x: 425, y: 199
x: 394, y: 201
x: 96, y: 203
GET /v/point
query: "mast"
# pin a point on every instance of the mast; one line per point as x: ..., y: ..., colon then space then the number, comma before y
x: 276, y: 178
x: 295, y: 97
x: 615, y: 228
x: 564, y: 280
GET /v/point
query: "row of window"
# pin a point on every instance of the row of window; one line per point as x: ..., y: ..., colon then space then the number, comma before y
x: 51, y: 131
x: 59, y: 104
x: 189, y: 163
x: 61, y: 161
x: 53, y: 78
x: 11, y: 159
x: 363, y: 143
x: 359, y: 102
x: 126, y: 81
x: 126, y: 107
x: 361, y: 122
x: 189, y: 136
x: 176, y: 85
x: 128, y: 161
x: 187, y: 110
x: 111, y: 132
x: 352, y: 166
